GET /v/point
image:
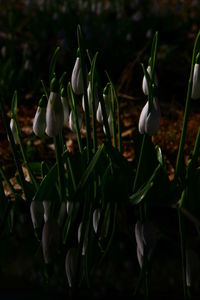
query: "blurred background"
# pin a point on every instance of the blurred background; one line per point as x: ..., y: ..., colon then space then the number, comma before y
x: 122, y: 32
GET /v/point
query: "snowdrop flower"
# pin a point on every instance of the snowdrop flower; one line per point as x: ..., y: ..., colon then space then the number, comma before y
x: 37, y: 213
x: 144, y: 81
x: 192, y: 266
x: 54, y: 112
x: 109, y: 125
x: 50, y: 240
x: 107, y: 100
x: 13, y: 127
x: 146, y: 236
x: 39, y: 121
x: 79, y: 239
x: 95, y: 219
x: 77, y: 78
x: 149, y: 122
x: 72, y: 123
x: 65, y: 104
x: 89, y: 95
x: 70, y: 263
x: 195, y: 94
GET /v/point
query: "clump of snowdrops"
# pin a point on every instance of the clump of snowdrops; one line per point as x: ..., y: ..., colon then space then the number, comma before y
x: 74, y: 203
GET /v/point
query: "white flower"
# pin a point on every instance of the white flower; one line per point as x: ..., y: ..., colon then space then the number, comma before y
x: 149, y: 122
x: 77, y: 79
x: 95, y: 219
x: 99, y: 114
x: 109, y: 125
x: 192, y: 266
x: 89, y: 95
x: 79, y: 239
x: 195, y: 94
x: 37, y: 213
x: 146, y: 237
x: 70, y: 264
x: 13, y: 127
x: 50, y: 240
x: 72, y: 123
x: 65, y: 104
x: 144, y: 81
x: 39, y: 121
x: 54, y: 115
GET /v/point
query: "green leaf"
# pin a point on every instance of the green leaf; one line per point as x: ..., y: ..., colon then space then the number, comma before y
x: 47, y: 184
x: 53, y: 64
x: 90, y: 168
x: 141, y: 194
x: 14, y: 104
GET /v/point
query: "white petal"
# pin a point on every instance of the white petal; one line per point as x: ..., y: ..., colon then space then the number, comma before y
x: 72, y: 123
x: 37, y: 213
x: 70, y: 264
x: 139, y: 237
x: 196, y: 82
x: 54, y: 115
x: 39, y: 121
x: 144, y: 81
x: 95, y: 219
x: 76, y: 79
x: 143, y: 117
x: 65, y: 104
x: 152, y: 123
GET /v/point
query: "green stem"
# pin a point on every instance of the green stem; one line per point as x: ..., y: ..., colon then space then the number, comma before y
x: 183, y: 258
x: 139, y: 166
x: 84, y: 76
x: 61, y: 174
x: 186, y: 113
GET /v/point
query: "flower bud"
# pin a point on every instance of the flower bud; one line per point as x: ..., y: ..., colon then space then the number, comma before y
x: 70, y: 265
x: 109, y: 125
x: 89, y: 95
x: 192, y: 266
x: 146, y: 237
x: 13, y: 127
x: 37, y: 213
x: 95, y: 219
x: 65, y: 105
x: 50, y: 240
x: 39, y: 121
x: 54, y: 112
x: 144, y: 81
x: 195, y: 94
x: 77, y: 79
x: 149, y: 122
x: 72, y: 123
x: 79, y: 238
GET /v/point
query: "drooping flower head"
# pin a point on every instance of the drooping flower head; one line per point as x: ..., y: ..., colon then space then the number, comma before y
x: 54, y: 113
x: 149, y: 121
x: 107, y: 101
x: 89, y: 95
x: 39, y: 121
